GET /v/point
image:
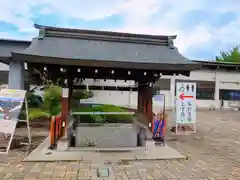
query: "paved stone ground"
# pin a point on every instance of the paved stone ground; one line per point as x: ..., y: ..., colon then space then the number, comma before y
x: 214, y: 153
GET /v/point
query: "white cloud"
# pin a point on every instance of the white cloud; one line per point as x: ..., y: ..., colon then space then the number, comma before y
x: 6, y: 35
x: 138, y: 16
x: 16, y: 13
x: 87, y: 10
x: 199, y: 35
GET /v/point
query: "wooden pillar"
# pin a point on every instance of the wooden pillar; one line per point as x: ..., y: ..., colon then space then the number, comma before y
x: 145, y: 102
x: 140, y: 99
x: 148, y: 95
x: 65, y: 110
x: 70, y: 86
x: 66, y: 104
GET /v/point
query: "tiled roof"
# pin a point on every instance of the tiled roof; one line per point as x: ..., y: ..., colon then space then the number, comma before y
x: 145, y: 51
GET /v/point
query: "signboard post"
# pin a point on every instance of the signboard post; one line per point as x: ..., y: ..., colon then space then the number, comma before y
x: 186, y: 108
x: 11, y: 102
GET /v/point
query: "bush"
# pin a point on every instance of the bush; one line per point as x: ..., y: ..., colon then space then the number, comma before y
x: 36, y: 113
x: 34, y: 101
x: 50, y: 103
x: 22, y: 115
x: 103, y: 118
x: 78, y: 94
x: 52, y: 99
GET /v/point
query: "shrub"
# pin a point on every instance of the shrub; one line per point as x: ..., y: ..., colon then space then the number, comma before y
x: 22, y: 115
x: 103, y: 118
x: 81, y: 94
x: 34, y: 101
x: 36, y: 113
x: 52, y: 99
x: 50, y: 103
x: 78, y: 94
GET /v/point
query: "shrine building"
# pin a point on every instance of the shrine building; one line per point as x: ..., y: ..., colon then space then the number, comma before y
x: 79, y: 57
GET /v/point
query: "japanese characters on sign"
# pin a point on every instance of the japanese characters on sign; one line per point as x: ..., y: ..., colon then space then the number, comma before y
x: 11, y: 102
x: 186, y: 103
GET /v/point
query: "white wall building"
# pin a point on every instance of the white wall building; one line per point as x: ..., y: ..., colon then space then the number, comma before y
x: 214, y: 80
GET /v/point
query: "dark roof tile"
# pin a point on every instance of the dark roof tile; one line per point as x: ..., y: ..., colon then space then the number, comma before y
x: 69, y: 48
x: 102, y: 35
x: 147, y: 51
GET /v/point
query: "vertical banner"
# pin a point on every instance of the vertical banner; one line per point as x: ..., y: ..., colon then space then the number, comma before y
x: 159, y: 121
x: 186, y: 108
x: 11, y: 102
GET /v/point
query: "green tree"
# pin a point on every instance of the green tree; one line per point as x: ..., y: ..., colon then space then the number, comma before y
x: 52, y: 99
x: 78, y: 94
x: 50, y: 103
x: 34, y: 100
x: 232, y: 56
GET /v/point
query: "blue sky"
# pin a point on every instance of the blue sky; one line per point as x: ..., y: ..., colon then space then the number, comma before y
x: 204, y: 27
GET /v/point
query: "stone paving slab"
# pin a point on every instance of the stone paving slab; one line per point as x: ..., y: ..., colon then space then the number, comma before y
x: 150, y: 152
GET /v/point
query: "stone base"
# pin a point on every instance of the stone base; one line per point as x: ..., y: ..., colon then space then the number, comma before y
x: 63, y: 144
x: 150, y: 152
x: 106, y: 135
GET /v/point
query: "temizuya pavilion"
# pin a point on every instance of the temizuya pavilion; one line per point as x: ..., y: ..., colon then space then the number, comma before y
x: 77, y: 53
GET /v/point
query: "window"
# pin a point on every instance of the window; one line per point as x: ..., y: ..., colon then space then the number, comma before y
x: 205, y: 94
x: 205, y: 89
x: 161, y: 85
x: 228, y: 94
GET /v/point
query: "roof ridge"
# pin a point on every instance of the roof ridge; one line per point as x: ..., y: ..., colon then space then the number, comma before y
x: 105, y: 35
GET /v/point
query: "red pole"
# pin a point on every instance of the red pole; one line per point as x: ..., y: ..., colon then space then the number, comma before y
x: 52, y: 132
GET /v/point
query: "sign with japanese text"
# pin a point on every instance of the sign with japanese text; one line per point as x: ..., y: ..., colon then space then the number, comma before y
x: 186, y: 103
x: 11, y: 102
